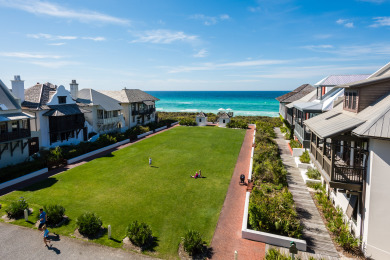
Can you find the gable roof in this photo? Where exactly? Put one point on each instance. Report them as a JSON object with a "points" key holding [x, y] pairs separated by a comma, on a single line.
{"points": [[201, 114], [129, 95], [364, 123], [36, 97], [93, 97], [385, 70], [7, 100], [296, 94], [224, 116], [334, 80], [308, 97]]}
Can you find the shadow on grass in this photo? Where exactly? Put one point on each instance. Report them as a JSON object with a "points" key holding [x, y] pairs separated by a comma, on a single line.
{"points": [[154, 166], [41, 185], [151, 246], [108, 155], [116, 240]]}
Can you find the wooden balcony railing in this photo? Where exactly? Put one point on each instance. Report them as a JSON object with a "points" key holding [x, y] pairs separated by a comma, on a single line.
{"points": [[348, 174], [22, 133]]}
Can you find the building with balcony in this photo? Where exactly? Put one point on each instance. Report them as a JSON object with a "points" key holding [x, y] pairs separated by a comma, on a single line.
{"points": [[326, 97], [58, 120], [104, 113], [138, 106], [296, 94], [350, 145], [16, 143]]}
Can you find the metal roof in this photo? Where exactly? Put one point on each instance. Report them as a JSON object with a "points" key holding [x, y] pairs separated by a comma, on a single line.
{"points": [[309, 97], [382, 71], [7, 100], [129, 95], [366, 82], [64, 110], [14, 116], [148, 103], [372, 121], [334, 80], [93, 97]]}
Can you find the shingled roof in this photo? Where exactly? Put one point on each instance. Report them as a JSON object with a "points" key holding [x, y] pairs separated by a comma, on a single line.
{"points": [[129, 95], [201, 114], [296, 94], [36, 97], [224, 116]]}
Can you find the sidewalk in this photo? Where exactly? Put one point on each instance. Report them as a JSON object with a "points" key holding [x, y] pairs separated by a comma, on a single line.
{"points": [[42, 177], [25, 243], [227, 236], [314, 230]]}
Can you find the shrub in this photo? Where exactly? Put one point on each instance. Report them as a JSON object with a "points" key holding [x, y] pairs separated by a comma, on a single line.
{"points": [[237, 124], [315, 186], [105, 140], [305, 158], [16, 208], [313, 174], [187, 122], [55, 213], [274, 254], [295, 144], [18, 170], [192, 242], [55, 155], [139, 233], [89, 224]]}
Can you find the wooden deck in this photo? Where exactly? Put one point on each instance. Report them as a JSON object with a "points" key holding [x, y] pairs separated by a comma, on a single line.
{"points": [[314, 231]]}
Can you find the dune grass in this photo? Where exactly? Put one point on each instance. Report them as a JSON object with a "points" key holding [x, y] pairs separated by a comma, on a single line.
{"points": [[121, 187]]}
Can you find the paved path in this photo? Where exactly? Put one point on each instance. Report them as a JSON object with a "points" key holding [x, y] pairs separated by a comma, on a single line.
{"points": [[25, 243], [227, 236], [314, 230], [42, 177]]}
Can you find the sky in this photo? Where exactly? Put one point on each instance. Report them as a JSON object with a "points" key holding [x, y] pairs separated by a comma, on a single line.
{"points": [[220, 45]]}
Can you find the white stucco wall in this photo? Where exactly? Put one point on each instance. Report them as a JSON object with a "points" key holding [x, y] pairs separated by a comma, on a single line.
{"points": [[201, 121], [376, 227], [221, 123], [61, 91], [17, 157]]}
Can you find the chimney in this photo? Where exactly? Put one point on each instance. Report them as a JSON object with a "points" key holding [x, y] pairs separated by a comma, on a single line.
{"points": [[18, 87], [74, 89]]}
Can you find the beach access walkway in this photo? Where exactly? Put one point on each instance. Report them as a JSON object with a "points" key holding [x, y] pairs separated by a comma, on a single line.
{"points": [[314, 230], [227, 236]]}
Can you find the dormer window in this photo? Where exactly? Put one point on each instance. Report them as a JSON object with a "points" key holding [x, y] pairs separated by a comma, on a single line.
{"points": [[62, 100], [351, 100]]}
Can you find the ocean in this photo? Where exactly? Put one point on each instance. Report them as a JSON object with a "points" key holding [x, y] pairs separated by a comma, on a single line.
{"points": [[243, 103]]}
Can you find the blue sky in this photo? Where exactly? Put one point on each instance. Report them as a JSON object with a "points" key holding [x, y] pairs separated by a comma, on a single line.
{"points": [[191, 44]]}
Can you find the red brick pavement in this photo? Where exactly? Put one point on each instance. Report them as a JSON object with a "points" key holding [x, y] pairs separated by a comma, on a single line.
{"points": [[227, 236]]}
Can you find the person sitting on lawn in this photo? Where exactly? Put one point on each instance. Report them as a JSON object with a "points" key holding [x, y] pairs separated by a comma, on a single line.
{"points": [[195, 176], [200, 174]]}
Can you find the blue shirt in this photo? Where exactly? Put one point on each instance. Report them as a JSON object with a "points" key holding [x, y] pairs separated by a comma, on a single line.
{"points": [[42, 216], [46, 234]]}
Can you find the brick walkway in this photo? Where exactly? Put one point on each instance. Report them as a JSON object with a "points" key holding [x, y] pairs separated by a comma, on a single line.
{"points": [[42, 177], [314, 231], [227, 236]]}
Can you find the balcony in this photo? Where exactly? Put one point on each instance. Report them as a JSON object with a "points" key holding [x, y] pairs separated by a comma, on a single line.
{"points": [[336, 172], [143, 111], [110, 121], [302, 135], [11, 136]]}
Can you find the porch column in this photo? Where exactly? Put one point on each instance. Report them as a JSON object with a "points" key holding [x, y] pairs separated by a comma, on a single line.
{"points": [[365, 155], [341, 148], [352, 155], [332, 165]]}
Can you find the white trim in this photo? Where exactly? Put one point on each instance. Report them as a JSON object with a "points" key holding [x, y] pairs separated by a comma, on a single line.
{"points": [[23, 178], [144, 134], [159, 129]]}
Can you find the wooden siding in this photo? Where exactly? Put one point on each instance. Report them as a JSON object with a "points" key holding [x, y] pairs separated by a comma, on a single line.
{"points": [[369, 94]]}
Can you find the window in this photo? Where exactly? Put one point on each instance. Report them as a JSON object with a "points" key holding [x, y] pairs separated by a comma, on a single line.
{"points": [[224, 121], [115, 113], [350, 100], [100, 114], [200, 120], [3, 128], [62, 100], [15, 126]]}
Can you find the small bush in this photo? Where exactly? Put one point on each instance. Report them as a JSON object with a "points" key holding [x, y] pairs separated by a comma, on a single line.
{"points": [[139, 233], [16, 208], [55, 155], [305, 158], [313, 174], [315, 186], [55, 213], [295, 144], [192, 242], [187, 122], [274, 254], [89, 224], [237, 124]]}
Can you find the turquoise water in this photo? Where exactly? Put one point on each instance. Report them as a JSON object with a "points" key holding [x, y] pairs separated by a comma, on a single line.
{"points": [[244, 103]]}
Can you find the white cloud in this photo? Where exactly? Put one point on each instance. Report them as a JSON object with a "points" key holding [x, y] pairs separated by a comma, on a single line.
{"points": [[381, 21], [55, 10], [29, 55], [53, 64], [210, 20], [57, 44], [96, 39], [254, 9], [51, 37], [354, 50], [318, 47], [345, 22], [163, 36], [202, 53]]}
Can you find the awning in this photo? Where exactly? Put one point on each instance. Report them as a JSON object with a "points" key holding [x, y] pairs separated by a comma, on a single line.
{"points": [[308, 107], [64, 110], [14, 116], [148, 103]]}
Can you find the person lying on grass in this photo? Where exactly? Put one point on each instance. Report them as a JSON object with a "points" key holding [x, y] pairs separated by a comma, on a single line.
{"points": [[195, 176]]}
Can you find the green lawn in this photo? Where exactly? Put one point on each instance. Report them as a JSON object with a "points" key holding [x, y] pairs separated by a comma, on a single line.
{"points": [[122, 187]]}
